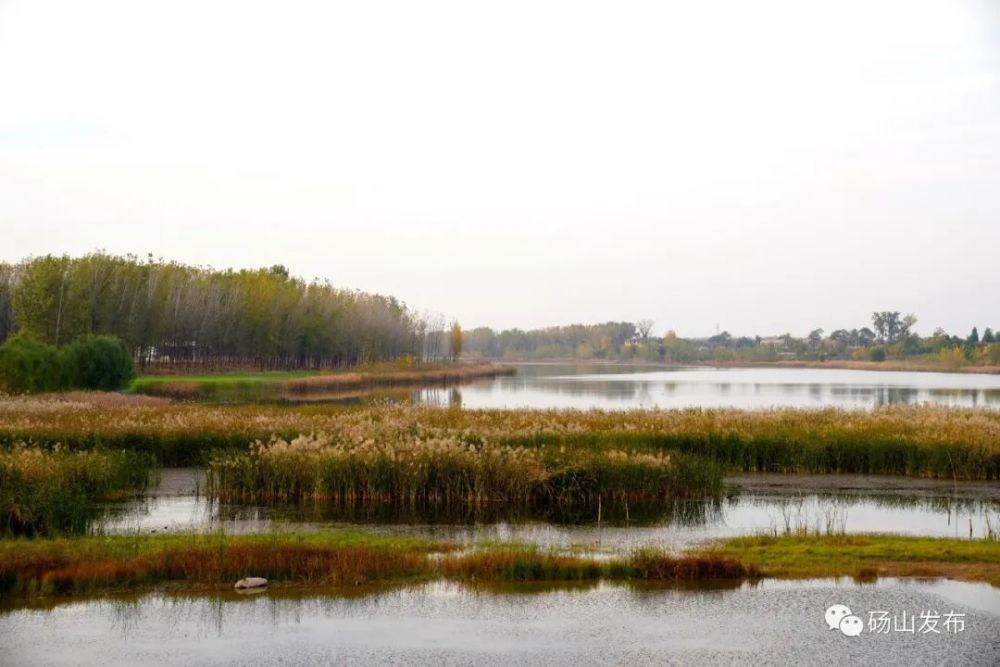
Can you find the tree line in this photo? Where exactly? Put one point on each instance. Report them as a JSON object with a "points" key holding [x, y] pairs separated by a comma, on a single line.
{"points": [[174, 314], [608, 340], [890, 336]]}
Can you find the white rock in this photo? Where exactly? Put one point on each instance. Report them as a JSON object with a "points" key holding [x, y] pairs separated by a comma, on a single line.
{"points": [[251, 582]]}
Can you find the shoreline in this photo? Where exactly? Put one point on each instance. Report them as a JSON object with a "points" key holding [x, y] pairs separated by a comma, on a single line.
{"points": [[839, 364], [259, 386], [62, 567]]}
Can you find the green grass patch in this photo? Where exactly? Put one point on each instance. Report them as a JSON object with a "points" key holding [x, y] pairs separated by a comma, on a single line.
{"points": [[278, 385], [263, 376], [867, 556]]}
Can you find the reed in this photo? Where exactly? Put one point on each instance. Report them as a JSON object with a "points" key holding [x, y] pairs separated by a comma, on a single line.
{"points": [[389, 466], [927, 441], [53, 491]]}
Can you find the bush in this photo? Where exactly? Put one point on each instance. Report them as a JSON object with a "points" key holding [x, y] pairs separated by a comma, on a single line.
{"points": [[97, 362], [28, 365], [877, 354], [90, 362]]}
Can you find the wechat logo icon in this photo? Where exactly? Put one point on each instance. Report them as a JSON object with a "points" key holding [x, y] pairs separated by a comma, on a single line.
{"points": [[839, 617]]}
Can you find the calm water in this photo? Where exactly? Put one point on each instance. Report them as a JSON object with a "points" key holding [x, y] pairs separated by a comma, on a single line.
{"points": [[755, 503], [612, 388], [767, 623]]}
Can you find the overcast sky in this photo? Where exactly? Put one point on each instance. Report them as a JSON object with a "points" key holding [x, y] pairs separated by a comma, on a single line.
{"points": [[764, 166]]}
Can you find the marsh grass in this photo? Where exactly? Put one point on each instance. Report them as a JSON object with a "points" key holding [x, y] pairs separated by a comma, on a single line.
{"points": [[65, 566], [526, 564], [53, 491], [75, 565], [60, 566], [404, 469], [926, 441]]}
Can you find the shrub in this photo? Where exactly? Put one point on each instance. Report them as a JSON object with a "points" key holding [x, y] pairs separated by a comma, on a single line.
{"points": [[89, 362], [877, 354], [97, 362], [28, 365]]}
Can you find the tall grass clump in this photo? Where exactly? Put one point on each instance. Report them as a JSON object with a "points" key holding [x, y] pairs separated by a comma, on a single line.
{"points": [[526, 564], [53, 491], [383, 465]]}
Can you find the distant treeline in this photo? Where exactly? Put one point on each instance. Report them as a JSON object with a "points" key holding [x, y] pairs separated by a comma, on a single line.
{"points": [[609, 340], [890, 337], [170, 313]]}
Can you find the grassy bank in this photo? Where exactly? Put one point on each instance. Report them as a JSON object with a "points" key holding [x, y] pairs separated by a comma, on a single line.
{"points": [[943, 442], [279, 385], [103, 564], [867, 556], [53, 491], [30, 568]]}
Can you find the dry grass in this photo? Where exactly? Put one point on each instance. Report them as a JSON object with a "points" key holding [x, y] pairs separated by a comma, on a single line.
{"points": [[387, 462], [52, 491], [928, 441], [99, 564]]}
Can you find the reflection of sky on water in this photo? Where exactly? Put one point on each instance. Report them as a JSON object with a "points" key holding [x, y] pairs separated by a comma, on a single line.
{"points": [[928, 508], [580, 387], [766, 622]]}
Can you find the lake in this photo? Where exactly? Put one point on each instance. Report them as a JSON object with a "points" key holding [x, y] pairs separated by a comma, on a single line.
{"points": [[617, 387]]}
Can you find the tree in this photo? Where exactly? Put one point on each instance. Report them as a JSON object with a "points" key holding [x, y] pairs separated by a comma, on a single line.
{"points": [[973, 338], [172, 313], [815, 338], [890, 327], [988, 336], [644, 327], [865, 337], [455, 341]]}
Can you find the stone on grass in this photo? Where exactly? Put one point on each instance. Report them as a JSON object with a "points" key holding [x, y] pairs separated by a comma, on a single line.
{"points": [[251, 582]]}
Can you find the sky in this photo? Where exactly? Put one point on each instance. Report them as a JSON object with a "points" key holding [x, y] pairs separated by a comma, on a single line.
{"points": [[763, 167]]}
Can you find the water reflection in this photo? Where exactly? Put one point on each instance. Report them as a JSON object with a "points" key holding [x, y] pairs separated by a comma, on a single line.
{"points": [[607, 387], [769, 622], [754, 503]]}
